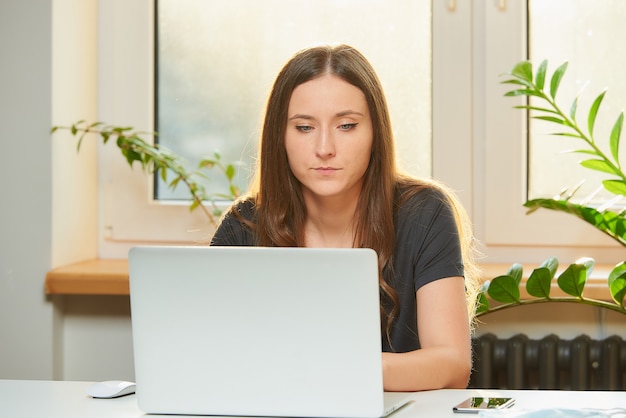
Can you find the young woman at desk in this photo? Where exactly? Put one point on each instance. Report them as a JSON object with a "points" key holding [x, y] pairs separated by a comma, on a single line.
{"points": [[326, 177]]}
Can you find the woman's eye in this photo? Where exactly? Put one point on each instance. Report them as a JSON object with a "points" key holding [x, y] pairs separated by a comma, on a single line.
{"points": [[304, 128], [347, 126]]}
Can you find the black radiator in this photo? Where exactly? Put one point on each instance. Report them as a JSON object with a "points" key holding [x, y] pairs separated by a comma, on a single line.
{"points": [[549, 363]]}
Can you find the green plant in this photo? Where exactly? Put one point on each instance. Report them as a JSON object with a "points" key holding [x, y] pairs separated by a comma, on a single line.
{"points": [[533, 85], [505, 289], [543, 106], [159, 160]]}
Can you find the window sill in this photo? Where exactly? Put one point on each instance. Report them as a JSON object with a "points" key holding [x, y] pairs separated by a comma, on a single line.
{"points": [[90, 277], [110, 277]]}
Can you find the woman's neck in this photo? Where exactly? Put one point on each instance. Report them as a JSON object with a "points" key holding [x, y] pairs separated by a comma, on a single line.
{"points": [[330, 223]]}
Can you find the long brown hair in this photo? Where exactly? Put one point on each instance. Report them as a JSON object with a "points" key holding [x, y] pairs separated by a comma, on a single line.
{"points": [[280, 209]]}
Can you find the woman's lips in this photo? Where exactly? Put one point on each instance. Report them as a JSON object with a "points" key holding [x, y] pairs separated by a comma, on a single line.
{"points": [[326, 170]]}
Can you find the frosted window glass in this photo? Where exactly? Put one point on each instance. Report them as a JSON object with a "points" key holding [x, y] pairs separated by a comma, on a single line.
{"points": [[589, 35], [217, 61]]}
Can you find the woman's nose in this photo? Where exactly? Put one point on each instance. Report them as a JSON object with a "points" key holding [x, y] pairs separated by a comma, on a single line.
{"points": [[325, 144]]}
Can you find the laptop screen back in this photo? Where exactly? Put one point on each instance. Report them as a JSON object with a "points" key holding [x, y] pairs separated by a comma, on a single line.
{"points": [[256, 331]]}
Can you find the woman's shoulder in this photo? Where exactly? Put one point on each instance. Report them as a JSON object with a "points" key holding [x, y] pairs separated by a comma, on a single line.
{"points": [[237, 224], [412, 192], [243, 209]]}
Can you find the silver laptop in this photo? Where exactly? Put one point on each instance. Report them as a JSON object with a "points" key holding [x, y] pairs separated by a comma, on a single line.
{"points": [[254, 331]]}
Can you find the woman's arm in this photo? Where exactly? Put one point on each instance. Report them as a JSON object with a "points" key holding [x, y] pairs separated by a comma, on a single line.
{"points": [[445, 359]]}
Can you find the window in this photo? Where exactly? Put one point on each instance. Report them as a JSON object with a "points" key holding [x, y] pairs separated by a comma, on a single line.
{"points": [[216, 66], [479, 142], [581, 38]]}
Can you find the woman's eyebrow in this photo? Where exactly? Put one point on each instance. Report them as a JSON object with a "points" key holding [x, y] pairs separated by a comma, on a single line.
{"points": [[301, 116], [349, 112], [338, 114]]}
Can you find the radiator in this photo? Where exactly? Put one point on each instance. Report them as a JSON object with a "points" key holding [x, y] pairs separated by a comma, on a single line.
{"points": [[549, 363]]}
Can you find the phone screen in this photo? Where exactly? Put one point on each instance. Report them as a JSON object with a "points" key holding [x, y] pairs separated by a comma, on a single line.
{"points": [[476, 404]]}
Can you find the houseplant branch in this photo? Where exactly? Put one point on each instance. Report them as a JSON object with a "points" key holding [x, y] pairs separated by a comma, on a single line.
{"points": [[159, 160], [505, 289], [533, 85]]}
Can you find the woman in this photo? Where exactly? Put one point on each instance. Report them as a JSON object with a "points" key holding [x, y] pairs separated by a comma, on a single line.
{"points": [[326, 177]]}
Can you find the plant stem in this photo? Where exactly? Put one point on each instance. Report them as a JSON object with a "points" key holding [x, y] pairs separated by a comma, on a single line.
{"points": [[590, 302]]}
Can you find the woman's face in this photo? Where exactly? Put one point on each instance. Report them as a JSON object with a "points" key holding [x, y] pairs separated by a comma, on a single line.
{"points": [[329, 137]]}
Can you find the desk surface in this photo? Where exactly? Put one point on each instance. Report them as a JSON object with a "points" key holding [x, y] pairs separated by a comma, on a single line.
{"points": [[52, 399]]}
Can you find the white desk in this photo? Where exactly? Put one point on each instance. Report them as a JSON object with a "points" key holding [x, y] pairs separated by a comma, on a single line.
{"points": [[48, 399]]}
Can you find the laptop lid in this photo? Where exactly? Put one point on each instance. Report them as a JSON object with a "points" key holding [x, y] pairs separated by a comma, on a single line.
{"points": [[256, 331]]}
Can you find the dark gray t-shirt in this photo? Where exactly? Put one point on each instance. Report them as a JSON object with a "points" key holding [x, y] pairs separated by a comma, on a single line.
{"points": [[427, 249]]}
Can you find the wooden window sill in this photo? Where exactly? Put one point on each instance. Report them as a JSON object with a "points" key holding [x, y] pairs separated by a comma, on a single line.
{"points": [[110, 277], [91, 277]]}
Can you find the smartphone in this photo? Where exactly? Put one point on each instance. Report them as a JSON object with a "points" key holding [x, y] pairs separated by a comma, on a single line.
{"points": [[476, 404]]}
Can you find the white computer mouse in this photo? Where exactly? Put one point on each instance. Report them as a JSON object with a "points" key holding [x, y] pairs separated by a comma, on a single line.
{"points": [[111, 389]]}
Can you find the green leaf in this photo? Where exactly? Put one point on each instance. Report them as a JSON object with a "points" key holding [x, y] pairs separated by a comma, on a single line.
{"points": [[617, 187], [615, 136], [206, 163], [538, 283], [519, 82], [553, 119], [482, 304], [524, 92], [593, 112], [556, 79], [516, 271], [572, 135], [122, 129], [611, 223], [552, 264], [584, 151], [523, 70], [572, 280], [174, 182], [599, 165], [573, 108], [588, 263], [617, 283], [504, 289], [230, 172], [541, 74], [538, 109]]}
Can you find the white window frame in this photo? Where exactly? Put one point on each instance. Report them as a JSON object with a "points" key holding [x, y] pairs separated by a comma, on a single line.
{"points": [[474, 128], [500, 131]]}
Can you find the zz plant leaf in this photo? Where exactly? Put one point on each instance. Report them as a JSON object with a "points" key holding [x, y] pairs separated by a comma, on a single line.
{"points": [[504, 289], [540, 280], [617, 283], [572, 280]]}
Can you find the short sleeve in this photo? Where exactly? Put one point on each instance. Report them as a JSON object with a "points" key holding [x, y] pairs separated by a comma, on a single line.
{"points": [[232, 230], [428, 239]]}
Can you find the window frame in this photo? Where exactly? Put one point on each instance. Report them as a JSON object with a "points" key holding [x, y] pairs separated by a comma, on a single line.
{"points": [[470, 116]]}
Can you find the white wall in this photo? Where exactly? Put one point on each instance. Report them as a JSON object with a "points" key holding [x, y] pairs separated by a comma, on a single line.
{"points": [[48, 203], [26, 318]]}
